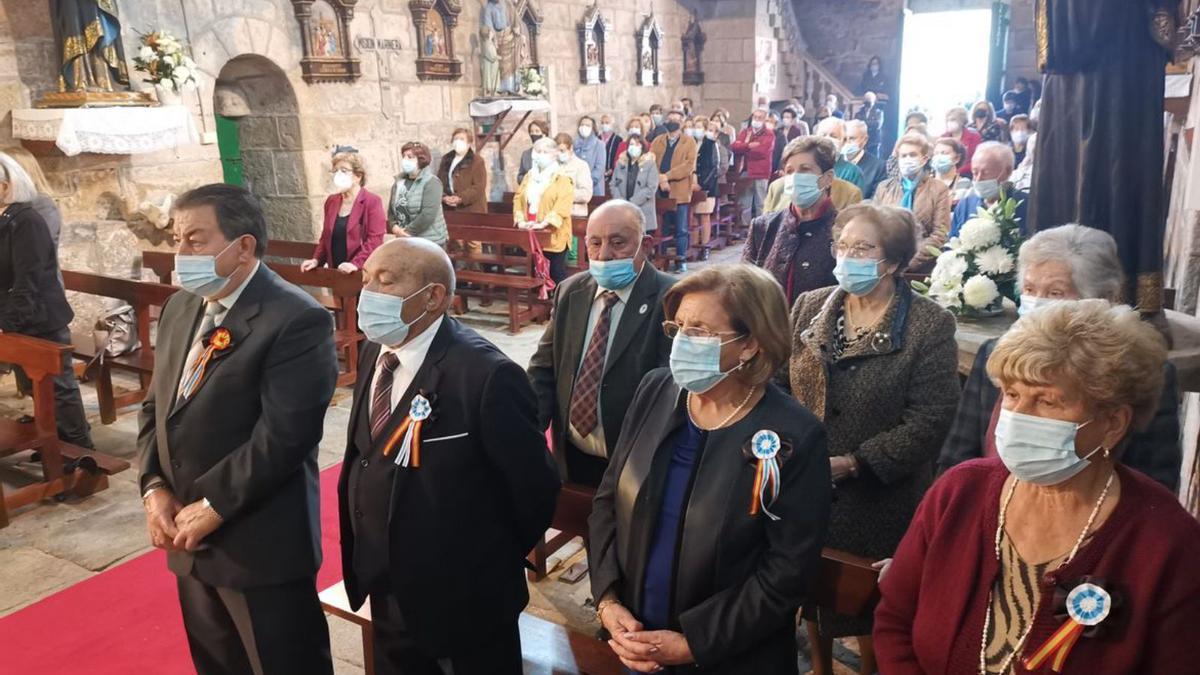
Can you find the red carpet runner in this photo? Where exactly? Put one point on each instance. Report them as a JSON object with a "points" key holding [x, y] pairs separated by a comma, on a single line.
{"points": [[126, 619]]}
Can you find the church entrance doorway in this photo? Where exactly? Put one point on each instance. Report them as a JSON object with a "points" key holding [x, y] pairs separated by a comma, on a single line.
{"points": [[944, 63]]}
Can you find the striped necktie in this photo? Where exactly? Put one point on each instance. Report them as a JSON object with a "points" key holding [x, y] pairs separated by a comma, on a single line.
{"points": [[585, 395], [381, 402]]}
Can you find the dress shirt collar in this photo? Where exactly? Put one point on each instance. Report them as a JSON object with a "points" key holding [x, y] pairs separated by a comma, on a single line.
{"points": [[230, 300], [412, 353]]}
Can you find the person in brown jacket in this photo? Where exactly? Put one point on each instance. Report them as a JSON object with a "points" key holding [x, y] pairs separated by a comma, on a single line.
{"points": [[464, 179], [676, 155], [917, 190]]}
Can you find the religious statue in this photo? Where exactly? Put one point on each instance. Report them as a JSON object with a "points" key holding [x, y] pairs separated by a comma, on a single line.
{"points": [[501, 17], [88, 35], [490, 61], [1103, 62]]}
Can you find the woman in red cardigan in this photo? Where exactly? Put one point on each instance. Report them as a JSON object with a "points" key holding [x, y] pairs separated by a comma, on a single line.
{"points": [[1054, 554], [355, 221]]}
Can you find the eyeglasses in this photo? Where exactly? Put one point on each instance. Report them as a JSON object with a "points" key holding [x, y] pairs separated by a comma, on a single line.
{"points": [[860, 250], [671, 329]]}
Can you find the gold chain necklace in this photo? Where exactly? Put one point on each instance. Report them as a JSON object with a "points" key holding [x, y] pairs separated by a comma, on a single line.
{"points": [[987, 621], [725, 421]]}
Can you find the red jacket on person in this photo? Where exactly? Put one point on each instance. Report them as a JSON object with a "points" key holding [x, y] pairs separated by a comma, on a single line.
{"points": [[364, 228], [970, 140], [935, 594], [757, 160]]}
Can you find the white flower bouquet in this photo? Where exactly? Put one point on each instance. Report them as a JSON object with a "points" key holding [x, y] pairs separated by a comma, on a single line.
{"points": [[978, 269], [161, 57], [532, 83]]}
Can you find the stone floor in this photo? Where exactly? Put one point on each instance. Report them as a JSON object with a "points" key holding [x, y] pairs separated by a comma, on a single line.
{"points": [[50, 546]]}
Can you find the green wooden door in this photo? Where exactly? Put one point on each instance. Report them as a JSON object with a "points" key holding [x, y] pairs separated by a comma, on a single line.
{"points": [[230, 149]]}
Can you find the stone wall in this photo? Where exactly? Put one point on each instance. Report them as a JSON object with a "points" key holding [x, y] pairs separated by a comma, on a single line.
{"points": [[845, 34]]}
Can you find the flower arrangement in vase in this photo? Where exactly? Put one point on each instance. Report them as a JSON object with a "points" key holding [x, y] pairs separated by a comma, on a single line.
{"points": [[161, 57], [533, 84], [978, 269]]}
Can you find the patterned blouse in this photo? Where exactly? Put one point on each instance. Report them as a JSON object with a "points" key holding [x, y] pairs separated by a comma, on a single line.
{"points": [[1014, 604]]}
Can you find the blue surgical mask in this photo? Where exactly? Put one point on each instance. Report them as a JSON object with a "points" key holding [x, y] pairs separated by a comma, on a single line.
{"points": [[408, 165], [379, 317], [805, 190], [1039, 450], [756, 125], [849, 150], [198, 273], [909, 167], [542, 161], [987, 189], [942, 163], [696, 362], [1032, 302], [613, 275], [857, 276]]}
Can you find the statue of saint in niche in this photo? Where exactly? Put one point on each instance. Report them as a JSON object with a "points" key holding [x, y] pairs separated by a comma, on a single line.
{"points": [[88, 35]]}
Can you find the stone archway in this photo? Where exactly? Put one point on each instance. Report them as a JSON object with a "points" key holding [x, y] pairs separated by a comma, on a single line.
{"points": [[258, 98]]}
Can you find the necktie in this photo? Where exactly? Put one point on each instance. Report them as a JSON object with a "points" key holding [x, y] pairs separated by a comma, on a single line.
{"points": [[381, 402], [211, 310], [587, 385]]}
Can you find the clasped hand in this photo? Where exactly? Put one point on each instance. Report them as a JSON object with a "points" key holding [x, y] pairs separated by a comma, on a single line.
{"points": [[536, 225], [641, 650], [175, 527]]}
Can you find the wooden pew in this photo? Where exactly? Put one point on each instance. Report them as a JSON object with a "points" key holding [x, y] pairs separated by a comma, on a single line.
{"points": [[144, 297], [65, 468], [570, 519], [546, 647], [342, 300], [519, 290]]}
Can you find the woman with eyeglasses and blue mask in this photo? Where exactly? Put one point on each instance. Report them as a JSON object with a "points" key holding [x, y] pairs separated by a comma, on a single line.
{"points": [[1069, 262], [878, 364], [793, 243], [1054, 556], [706, 532]]}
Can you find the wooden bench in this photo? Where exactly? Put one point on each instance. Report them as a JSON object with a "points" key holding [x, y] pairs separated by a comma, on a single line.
{"points": [[66, 468], [570, 519], [546, 647], [342, 300], [520, 290], [145, 297]]}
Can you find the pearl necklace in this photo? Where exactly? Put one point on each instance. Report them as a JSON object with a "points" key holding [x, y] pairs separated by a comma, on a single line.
{"points": [[725, 421], [987, 621]]}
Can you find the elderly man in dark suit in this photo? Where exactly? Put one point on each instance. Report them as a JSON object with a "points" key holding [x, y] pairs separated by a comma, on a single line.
{"points": [[606, 334], [447, 482], [244, 371]]}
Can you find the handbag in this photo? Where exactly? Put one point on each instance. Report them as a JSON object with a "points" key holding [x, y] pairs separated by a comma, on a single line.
{"points": [[540, 265], [115, 332]]}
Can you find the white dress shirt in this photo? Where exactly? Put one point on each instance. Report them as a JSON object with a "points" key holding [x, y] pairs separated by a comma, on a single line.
{"points": [[593, 443], [412, 354]]}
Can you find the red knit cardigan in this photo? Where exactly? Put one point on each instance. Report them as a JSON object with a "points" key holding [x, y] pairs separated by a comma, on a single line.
{"points": [[930, 619]]}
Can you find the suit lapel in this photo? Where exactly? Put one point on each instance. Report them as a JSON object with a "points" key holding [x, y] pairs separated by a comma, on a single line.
{"points": [[237, 322], [644, 291], [362, 395], [173, 349], [579, 309]]}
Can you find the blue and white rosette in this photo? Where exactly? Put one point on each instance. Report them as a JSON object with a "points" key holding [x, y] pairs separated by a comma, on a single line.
{"points": [[765, 446]]}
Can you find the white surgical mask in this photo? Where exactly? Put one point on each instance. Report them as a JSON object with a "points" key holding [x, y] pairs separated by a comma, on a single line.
{"points": [[1019, 137], [987, 189], [953, 126], [460, 146], [1039, 450], [342, 180], [635, 131], [756, 125], [564, 157], [1029, 303], [909, 167], [606, 127], [585, 131], [408, 165], [635, 151]]}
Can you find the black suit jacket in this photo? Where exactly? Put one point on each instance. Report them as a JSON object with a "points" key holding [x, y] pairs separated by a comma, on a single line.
{"points": [[638, 347], [247, 438], [739, 579], [874, 172], [32, 299], [460, 524]]}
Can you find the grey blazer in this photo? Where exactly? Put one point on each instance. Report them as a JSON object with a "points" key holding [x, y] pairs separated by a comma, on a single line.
{"points": [[644, 190], [638, 347], [247, 439]]}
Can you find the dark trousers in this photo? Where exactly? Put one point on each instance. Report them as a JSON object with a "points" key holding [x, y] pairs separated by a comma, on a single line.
{"points": [[494, 650], [72, 423], [583, 468], [682, 234], [558, 265], [255, 631]]}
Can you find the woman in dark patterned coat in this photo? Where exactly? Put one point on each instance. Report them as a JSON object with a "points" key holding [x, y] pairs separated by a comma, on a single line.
{"points": [[878, 364]]}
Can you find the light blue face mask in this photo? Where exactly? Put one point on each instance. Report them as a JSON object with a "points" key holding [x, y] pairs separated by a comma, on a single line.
{"points": [[1029, 303], [805, 191], [857, 276], [987, 189], [1039, 450], [942, 163], [379, 317], [696, 362], [849, 150], [613, 275], [198, 273]]}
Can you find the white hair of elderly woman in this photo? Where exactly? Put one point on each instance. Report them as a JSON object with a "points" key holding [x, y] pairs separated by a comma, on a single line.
{"points": [[1090, 253], [20, 185], [830, 125], [545, 144]]}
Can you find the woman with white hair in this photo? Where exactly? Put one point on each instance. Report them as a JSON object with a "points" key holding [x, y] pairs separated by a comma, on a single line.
{"points": [[32, 299], [1070, 262], [544, 199]]}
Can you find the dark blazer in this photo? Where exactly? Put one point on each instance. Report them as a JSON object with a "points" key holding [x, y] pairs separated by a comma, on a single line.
{"points": [[612, 152], [470, 181], [247, 438], [639, 345], [461, 524], [32, 299], [364, 228], [1155, 450], [739, 579], [874, 171]]}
